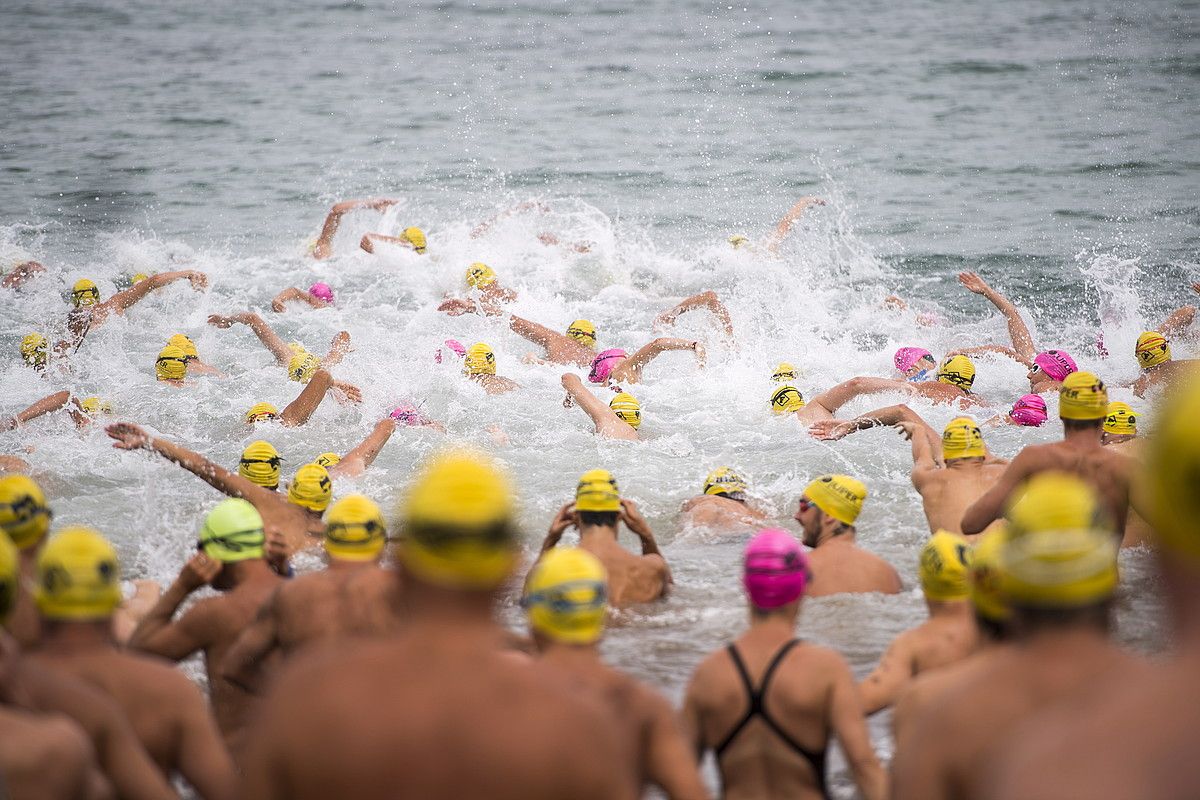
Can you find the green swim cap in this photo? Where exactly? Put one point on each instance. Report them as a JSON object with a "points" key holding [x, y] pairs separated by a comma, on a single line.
{"points": [[233, 531]]}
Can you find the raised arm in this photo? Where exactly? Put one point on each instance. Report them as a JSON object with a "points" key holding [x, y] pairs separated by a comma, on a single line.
{"points": [[656, 347], [339, 346], [784, 228], [848, 724], [1017, 330], [363, 455], [1180, 319], [277, 347], [605, 420], [298, 412], [158, 634], [324, 246], [707, 300], [988, 508], [538, 334], [243, 663], [121, 301], [44, 406], [21, 273]]}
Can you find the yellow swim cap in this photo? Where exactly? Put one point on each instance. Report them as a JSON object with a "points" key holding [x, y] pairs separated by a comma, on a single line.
{"points": [[1059, 569], [597, 491], [328, 460], [584, 332], [784, 372], [9, 561], [171, 364], [566, 596], [297, 348], [311, 488], [839, 496], [962, 438], [737, 240], [984, 573], [957, 371], [94, 405], [943, 566], [458, 527], [1121, 419], [185, 344], [354, 529], [1172, 464], [724, 481], [786, 399], [84, 293], [24, 515], [480, 360], [626, 406], [138, 278], [415, 237], [480, 275], [78, 577], [1152, 349], [260, 464], [34, 348], [261, 412], [1055, 501], [1082, 397], [302, 366], [233, 531]]}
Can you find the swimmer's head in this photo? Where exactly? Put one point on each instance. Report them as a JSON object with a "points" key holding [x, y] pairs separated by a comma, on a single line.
{"points": [[913, 360], [408, 414], [983, 584], [604, 363], [962, 438], [480, 275], [725, 482], [1056, 364], [10, 561], [458, 529], [261, 412], [1121, 420], [1083, 398], [302, 367], [584, 332], [738, 240], [311, 488], [774, 569], [597, 491], [355, 530], [626, 406], [1059, 569], [1055, 501], [786, 399], [1169, 481], [455, 346], [1030, 411], [328, 460], [260, 464], [839, 496], [84, 293], [93, 406], [1152, 349], [480, 360], [957, 371], [784, 373], [943, 566], [566, 596], [186, 345], [171, 364], [78, 577], [321, 291], [34, 349], [24, 515], [232, 531], [414, 237]]}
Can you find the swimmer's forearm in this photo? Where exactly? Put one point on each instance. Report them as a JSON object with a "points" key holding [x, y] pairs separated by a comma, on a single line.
{"points": [[538, 334], [44, 406], [364, 455], [266, 335], [218, 477], [300, 410], [158, 618]]}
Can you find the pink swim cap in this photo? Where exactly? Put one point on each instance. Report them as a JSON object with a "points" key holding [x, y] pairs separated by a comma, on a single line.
{"points": [[907, 357], [775, 569], [1058, 364], [322, 291], [603, 364], [1030, 410], [453, 344], [407, 414]]}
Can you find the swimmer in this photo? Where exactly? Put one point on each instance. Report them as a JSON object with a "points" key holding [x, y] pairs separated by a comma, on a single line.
{"points": [[411, 416], [90, 313], [231, 547], [15, 278], [1083, 406], [577, 347], [363, 454], [1153, 353], [25, 518], [319, 295], [440, 708], [171, 366], [768, 704], [295, 516], [1120, 428], [616, 366], [479, 365], [192, 355], [914, 364], [299, 411], [620, 419], [721, 504], [1059, 586], [707, 300], [46, 405], [946, 637], [597, 513], [950, 471], [78, 589], [782, 230], [323, 248], [565, 600], [354, 597], [1029, 411], [827, 512], [35, 351]]}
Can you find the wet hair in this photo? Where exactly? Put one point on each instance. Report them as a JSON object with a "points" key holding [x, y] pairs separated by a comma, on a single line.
{"points": [[1096, 615], [1082, 424], [605, 519]]}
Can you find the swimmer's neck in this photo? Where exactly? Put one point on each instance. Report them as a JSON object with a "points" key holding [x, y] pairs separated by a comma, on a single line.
{"points": [[598, 533], [829, 536], [570, 655], [778, 623], [436, 612], [1070, 640], [1088, 438], [947, 609], [65, 637], [964, 463]]}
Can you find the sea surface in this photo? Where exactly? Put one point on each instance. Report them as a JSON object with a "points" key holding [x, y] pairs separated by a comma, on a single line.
{"points": [[1053, 147]]}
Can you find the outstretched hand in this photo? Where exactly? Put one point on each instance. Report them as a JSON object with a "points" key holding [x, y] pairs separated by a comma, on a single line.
{"points": [[973, 282], [456, 306], [198, 280], [220, 320], [907, 428], [128, 436], [830, 429]]}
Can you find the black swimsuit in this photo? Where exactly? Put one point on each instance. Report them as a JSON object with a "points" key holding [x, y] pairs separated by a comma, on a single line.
{"points": [[816, 760]]}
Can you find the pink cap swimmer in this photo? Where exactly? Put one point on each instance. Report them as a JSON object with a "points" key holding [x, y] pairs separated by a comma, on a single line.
{"points": [[775, 569], [321, 291], [907, 357], [453, 344], [408, 414], [1058, 364], [1030, 411], [603, 365]]}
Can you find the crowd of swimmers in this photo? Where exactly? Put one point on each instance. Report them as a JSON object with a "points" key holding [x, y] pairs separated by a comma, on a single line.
{"points": [[385, 672]]}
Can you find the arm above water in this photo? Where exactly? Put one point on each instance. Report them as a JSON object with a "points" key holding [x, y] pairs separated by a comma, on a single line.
{"points": [[784, 228], [1017, 330], [275, 345], [605, 420], [987, 348], [298, 412], [122, 301], [294, 294], [21, 273], [363, 455], [707, 300], [832, 429], [158, 634], [324, 246], [631, 369], [44, 406], [1180, 319]]}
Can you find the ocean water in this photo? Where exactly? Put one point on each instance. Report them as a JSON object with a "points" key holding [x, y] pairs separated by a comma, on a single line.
{"points": [[1052, 147]]}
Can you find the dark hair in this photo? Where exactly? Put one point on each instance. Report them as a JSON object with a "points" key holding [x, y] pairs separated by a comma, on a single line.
{"points": [[1096, 615], [605, 519], [991, 629], [1082, 424]]}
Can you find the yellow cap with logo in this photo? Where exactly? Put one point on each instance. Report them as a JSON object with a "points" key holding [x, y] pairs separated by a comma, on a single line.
{"points": [[1172, 467], [584, 332], [962, 438], [171, 364], [597, 491], [185, 344], [302, 366], [943, 566], [1121, 419], [415, 237], [78, 577], [1152, 349], [984, 575], [34, 349], [260, 464], [1059, 569], [480, 360], [724, 481], [957, 371], [1083, 397], [354, 529], [311, 488], [786, 399], [24, 515], [328, 460], [784, 372], [94, 405], [480, 275], [839, 496], [84, 293], [233, 531], [566, 596], [626, 406], [261, 412], [1055, 501]]}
